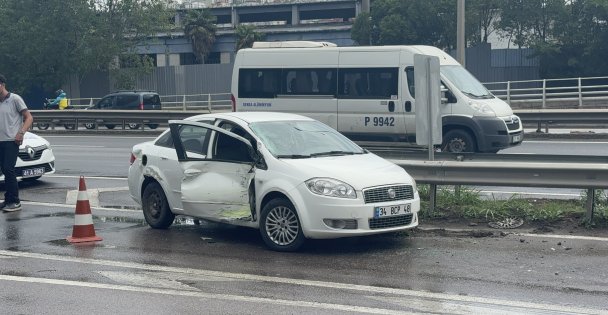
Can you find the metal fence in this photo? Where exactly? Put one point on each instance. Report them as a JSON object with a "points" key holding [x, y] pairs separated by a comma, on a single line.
{"points": [[583, 92], [590, 92], [210, 102], [517, 170]]}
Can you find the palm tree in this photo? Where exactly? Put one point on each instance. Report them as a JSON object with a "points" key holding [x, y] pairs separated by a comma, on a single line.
{"points": [[199, 28], [246, 36]]}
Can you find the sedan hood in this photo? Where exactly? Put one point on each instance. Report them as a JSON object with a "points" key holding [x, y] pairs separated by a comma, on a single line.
{"points": [[33, 140], [360, 170]]}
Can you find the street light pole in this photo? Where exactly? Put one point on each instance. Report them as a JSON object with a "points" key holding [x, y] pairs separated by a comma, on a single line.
{"points": [[460, 42]]}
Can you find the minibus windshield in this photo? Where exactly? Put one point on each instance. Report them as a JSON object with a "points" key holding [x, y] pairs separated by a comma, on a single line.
{"points": [[465, 82], [303, 139]]}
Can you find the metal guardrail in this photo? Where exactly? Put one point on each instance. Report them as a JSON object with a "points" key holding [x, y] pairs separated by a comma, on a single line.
{"points": [[582, 92], [586, 172], [584, 116], [521, 170], [565, 92], [122, 117], [207, 101]]}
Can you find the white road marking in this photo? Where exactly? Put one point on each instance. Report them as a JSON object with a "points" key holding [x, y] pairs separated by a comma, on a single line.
{"points": [[167, 280], [146, 279], [77, 146], [295, 282], [229, 297], [570, 237], [86, 177], [569, 142], [92, 194], [73, 206], [103, 136]]}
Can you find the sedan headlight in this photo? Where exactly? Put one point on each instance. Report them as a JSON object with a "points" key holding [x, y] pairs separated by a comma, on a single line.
{"points": [[331, 188]]}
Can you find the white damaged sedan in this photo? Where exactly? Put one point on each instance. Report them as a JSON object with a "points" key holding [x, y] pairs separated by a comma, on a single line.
{"points": [[35, 158], [290, 176]]}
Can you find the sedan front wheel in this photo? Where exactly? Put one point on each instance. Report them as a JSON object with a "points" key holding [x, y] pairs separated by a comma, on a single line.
{"points": [[280, 226]]}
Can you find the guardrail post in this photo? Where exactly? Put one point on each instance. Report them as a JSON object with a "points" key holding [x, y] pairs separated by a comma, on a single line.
{"points": [[580, 93], [91, 102], [209, 102], [184, 102], [432, 198], [544, 93], [509, 92], [590, 204]]}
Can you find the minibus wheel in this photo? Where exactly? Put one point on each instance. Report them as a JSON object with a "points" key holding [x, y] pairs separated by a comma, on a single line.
{"points": [[458, 140], [280, 226]]}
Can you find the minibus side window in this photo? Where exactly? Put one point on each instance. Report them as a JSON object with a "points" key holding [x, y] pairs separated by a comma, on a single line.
{"points": [[409, 76], [368, 83], [259, 83], [308, 82]]}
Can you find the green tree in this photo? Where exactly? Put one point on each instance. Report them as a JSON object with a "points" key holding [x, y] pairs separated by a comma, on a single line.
{"points": [[395, 22], [44, 42], [200, 28], [361, 31], [578, 41], [528, 22], [481, 19], [246, 35]]}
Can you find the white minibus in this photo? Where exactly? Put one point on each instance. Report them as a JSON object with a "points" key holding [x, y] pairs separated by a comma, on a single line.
{"points": [[367, 93]]}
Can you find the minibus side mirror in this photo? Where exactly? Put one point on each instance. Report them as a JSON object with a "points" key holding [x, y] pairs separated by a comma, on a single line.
{"points": [[447, 97]]}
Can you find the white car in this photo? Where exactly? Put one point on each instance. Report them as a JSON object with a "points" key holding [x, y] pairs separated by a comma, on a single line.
{"points": [[290, 176], [35, 158]]}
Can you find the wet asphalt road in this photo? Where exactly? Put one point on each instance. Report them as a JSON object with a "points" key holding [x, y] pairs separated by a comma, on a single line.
{"points": [[218, 269]]}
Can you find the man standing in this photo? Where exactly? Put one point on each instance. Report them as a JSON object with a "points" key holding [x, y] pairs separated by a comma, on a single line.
{"points": [[15, 120]]}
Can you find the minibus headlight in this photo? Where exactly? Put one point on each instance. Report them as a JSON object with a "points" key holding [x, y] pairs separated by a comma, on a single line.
{"points": [[483, 109], [331, 188]]}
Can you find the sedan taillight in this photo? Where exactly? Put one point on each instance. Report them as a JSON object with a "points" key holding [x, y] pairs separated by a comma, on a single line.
{"points": [[132, 159]]}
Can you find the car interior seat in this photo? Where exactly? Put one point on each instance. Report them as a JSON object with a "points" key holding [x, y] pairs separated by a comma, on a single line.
{"points": [[193, 145]]}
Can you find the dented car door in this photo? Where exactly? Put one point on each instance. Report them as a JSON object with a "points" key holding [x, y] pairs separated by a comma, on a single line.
{"points": [[217, 173]]}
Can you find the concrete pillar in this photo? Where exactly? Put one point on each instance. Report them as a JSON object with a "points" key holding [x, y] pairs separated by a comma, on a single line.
{"points": [[178, 19], [235, 18], [460, 42], [365, 6], [295, 15]]}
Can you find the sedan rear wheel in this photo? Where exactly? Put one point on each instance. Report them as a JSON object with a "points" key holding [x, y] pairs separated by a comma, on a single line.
{"points": [[133, 126], [281, 229], [156, 208]]}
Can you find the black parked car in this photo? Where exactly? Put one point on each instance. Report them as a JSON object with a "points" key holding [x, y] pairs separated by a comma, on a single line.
{"points": [[128, 100]]}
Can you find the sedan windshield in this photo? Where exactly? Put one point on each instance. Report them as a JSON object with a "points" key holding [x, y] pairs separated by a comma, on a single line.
{"points": [[465, 82], [303, 139]]}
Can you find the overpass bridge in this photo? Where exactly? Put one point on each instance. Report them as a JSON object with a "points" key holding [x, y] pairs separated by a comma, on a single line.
{"points": [[329, 20]]}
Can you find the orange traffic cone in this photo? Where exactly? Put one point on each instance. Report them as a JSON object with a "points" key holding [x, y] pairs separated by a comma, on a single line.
{"points": [[83, 219]]}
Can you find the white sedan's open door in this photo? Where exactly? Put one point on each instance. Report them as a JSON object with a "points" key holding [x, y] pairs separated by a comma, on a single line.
{"points": [[218, 171]]}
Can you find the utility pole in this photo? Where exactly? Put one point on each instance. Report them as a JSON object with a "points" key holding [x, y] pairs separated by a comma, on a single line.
{"points": [[365, 6], [460, 42]]}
